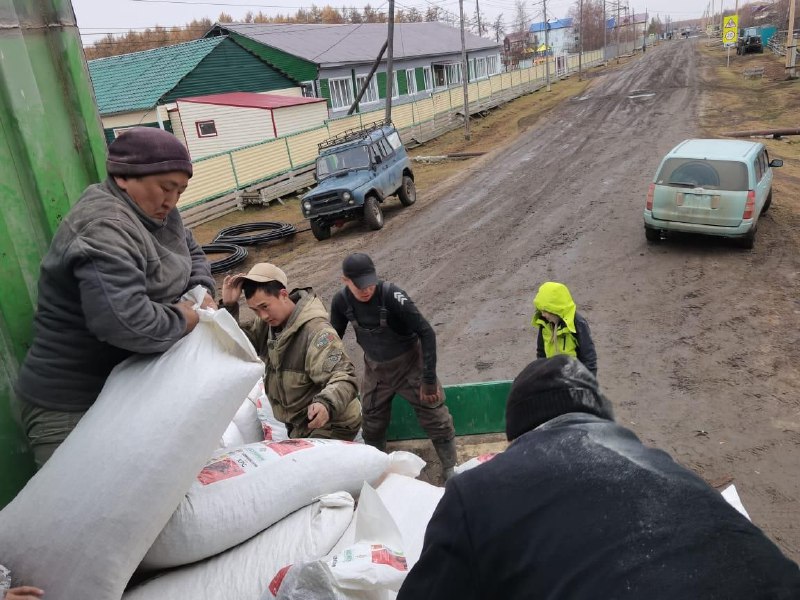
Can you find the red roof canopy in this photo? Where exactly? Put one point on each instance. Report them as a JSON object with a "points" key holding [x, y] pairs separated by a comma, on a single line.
{"points": [[252, 100]]}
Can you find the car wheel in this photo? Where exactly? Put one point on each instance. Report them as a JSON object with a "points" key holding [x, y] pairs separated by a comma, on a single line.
{"points": [[320, 231], [407, 192], [749, 240], [373, 215], [652, 235], [768, 203]]}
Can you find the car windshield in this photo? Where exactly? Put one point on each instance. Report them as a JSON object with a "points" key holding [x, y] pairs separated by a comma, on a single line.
{"points": [[712, 174], [355, 157]]}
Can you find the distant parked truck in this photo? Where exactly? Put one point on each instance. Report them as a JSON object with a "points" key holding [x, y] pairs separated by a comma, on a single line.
{"points": [[750, 43]]}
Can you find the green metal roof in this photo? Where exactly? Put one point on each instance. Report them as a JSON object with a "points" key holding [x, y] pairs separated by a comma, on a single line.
{"points": [[138, 80]]}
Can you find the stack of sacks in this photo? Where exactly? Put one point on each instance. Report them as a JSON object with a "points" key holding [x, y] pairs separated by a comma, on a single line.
{"points": [[243, 572], [242, 491], [376, 552], [86, 519]]}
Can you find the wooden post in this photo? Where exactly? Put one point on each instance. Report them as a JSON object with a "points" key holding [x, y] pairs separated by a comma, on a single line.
{"points": [[390, 63], [464, 71], [791, 44]]}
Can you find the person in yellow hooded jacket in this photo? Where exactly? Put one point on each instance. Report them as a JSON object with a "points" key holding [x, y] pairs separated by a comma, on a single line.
{"points": [[562, 330]]}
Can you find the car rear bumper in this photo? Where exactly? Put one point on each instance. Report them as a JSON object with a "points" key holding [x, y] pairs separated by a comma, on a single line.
{"points": [[739, 231]]}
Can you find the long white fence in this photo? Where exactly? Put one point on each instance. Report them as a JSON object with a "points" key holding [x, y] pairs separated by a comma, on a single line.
{"points": [[221, 174]]}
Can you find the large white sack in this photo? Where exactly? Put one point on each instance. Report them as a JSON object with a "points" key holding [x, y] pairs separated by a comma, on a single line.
{"points": [[83, 523], [409, 505], [245, 428], [245, 490], [273, 430], [243, 572]]}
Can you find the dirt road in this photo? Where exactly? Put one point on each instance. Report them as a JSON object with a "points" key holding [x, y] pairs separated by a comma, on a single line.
{"points": [[697, 339]]}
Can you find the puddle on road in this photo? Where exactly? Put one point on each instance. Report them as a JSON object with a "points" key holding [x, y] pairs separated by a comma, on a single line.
{"points": [[636, 94]]}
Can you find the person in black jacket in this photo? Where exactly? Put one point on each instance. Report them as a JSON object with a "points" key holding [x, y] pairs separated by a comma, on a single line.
{"points": [[562, 330], [399, 356], [578, 508]]}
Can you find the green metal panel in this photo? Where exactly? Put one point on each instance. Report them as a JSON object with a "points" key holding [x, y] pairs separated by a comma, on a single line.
{"points": [[420, 73], [402, 83], [291, 66], [325, 90], [476, 408], [381, 78], [229, 68], [51, 148]]}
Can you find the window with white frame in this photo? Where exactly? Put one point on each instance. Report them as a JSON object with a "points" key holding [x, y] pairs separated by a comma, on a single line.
{"points": [[118, 131], [411, 80], [492, 64], [371, 93], [480, 68], [453, 73], [395, 87], [308, 89], [428, 77], [341, 91], [471, 67]]}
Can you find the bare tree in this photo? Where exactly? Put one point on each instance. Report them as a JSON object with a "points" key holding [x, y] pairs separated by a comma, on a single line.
{"points": [[498, 28], [521, 19], [591, 28]]}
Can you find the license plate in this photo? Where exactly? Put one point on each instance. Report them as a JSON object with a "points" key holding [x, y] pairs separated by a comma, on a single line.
{"points": [[708, 201]]}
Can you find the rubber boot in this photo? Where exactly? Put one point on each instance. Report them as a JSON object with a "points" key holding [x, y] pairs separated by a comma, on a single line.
{"points": [[446, 451], [379, 444]]}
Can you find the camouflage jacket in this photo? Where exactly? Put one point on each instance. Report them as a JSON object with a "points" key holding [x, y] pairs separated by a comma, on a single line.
{"points": [[305, 362]]}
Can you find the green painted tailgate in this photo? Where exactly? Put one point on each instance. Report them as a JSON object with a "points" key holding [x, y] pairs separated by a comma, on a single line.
{"points": [[476, 408]]}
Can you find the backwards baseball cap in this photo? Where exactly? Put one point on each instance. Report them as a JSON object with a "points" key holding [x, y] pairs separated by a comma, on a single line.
{"points": [[359, 269], [263, 273], [142, 151], [551, 387]]}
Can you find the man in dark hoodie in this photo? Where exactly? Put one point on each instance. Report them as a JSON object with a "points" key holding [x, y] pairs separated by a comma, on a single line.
{"points": [[577, 507], [110, 285]]}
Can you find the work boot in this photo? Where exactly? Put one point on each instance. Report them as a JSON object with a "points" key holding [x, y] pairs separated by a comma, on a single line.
{"points": [[446, 451], [380, 444]]}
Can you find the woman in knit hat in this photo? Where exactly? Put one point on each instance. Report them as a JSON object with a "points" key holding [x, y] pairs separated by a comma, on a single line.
{"points": [[561, 329], [110, 285]]}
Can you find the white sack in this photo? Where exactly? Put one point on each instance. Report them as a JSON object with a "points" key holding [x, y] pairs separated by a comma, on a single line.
{"points": [[273, 430], [474, 462], [245, 490], [410, 503], [85, 520], [243, 572], [245, 427], [732, 497]]}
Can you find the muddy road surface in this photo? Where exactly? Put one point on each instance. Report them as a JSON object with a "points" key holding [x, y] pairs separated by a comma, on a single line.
{"points": [[697, 339]]}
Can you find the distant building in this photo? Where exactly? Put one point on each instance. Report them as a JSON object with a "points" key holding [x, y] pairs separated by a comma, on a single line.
{"points": [[560, 35], [517, 47], [332, 61]]}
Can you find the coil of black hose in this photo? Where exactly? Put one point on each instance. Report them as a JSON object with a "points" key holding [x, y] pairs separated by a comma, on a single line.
{"points": [[269, 232], [236, 254]]}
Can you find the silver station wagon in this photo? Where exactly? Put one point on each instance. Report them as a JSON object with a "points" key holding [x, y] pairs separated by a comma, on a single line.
{"points": [[712, 187]]}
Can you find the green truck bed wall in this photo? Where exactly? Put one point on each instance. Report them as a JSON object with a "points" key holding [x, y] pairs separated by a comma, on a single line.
{"points": [[51, 148], [476, 408]]}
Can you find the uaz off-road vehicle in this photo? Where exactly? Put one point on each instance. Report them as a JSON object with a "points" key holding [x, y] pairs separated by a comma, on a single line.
{"points": [[356, 171]]}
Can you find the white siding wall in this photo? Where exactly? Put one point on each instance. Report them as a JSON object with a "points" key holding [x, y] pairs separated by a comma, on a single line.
{"points": [[236, 127], [177, 128], [293, 91], [299, 118]]}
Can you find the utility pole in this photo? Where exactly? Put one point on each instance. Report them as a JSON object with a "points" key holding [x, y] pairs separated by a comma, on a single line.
{"points": [[605, 30], [791, 43], [390, 62], [546, 46], [464, 70], [580, 44], [478, 12], [617, 28]]}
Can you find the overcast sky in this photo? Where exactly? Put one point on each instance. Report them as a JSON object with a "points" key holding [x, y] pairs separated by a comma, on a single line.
{"points": [[97, 17]]}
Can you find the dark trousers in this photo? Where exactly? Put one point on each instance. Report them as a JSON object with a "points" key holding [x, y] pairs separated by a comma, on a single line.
{"points": [[402, 376]]}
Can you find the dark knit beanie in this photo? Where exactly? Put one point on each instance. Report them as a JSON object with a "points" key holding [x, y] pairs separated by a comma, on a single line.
{"points": [[548, 388], [147, 151]]}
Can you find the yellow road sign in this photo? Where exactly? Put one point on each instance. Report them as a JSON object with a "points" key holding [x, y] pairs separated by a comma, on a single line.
{"points": [[730, 30]]}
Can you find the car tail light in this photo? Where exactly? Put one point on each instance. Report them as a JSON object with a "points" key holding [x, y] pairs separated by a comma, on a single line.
{"points": [[750, 205], [651, 190]]}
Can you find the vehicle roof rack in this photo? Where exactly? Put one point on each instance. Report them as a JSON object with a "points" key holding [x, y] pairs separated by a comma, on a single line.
{"points": [[355, 133]]}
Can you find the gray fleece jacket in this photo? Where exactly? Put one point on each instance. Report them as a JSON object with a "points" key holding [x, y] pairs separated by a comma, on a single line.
{"points": [[105, 289]]}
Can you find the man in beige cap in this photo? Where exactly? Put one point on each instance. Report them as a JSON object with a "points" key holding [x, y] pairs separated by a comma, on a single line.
{"points": [[310, 381]]}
